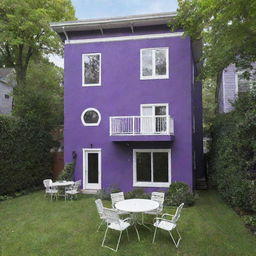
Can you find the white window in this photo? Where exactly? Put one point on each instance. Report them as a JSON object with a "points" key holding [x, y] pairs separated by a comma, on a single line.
{"points": [[151, 167], [154, 63], [91, 117], [91, 64]]}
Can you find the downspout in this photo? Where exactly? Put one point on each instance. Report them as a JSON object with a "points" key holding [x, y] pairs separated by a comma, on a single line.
{"points": [[65, 33]]}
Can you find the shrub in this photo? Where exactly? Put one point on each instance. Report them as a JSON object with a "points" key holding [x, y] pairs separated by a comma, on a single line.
{"points": [[68, 172], [249, 220], [232, 156], [178, 193], [136, 193], [104, 194], [25, 155]]}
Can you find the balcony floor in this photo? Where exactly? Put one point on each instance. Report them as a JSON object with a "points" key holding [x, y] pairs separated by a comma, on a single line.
{"points": [[142, 138]]}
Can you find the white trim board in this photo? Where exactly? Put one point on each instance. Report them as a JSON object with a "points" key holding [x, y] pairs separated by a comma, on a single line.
{"points": [[124, 38]]}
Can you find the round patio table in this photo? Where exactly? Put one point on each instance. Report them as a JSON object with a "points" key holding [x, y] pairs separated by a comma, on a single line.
{"points": [[135, 206], [63, 183]]}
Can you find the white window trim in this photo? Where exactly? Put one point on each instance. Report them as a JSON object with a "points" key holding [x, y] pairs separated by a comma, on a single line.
{"points": [[155, 105], [154, 76], [90, 124], [151, 184], [85, 182], [83, 82]]}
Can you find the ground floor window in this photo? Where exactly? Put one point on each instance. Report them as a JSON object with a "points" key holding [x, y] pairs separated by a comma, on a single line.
{"points": [[151, 167]]}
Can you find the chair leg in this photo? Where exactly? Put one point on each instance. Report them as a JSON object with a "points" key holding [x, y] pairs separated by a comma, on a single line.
{"points": [[100, 225], [127, 234], [105, 234], [119, 240], [154, 237], [176, 243]]}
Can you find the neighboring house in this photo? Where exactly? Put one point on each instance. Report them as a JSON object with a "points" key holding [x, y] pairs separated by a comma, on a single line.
{"points": [[7, 82], [232, 83], [132, 107]]}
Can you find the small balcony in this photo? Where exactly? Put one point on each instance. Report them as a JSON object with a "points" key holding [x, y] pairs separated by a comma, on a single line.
{"points": [[137, 126]]}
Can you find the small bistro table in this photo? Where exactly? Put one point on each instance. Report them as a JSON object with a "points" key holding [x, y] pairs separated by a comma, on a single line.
{"points": [[136, 206], [63, 183]]}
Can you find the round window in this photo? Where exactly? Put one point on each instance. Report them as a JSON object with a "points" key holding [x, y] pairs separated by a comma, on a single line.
{"points": [[90, 117]]}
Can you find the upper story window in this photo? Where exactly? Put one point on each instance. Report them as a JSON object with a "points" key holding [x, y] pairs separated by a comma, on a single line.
{"points": [[91, 117], [91, 69], [154, 63], [6, 96]]}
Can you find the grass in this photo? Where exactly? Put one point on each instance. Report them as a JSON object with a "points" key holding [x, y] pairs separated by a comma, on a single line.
{"points": [[32, 225]]}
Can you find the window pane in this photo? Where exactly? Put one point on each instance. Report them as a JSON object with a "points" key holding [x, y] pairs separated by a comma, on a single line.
{"points": [[160, 58], [147, 62], [160, 110], [93, 168], [91, 117], [160, 164], [143, 166], [91, 69]]}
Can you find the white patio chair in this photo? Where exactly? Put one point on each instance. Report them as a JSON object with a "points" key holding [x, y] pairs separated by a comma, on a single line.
{"points": [[49, 189], [159, 198], [115, 223], [117, 197], [169, 224], [72, 190], [100, 210]]}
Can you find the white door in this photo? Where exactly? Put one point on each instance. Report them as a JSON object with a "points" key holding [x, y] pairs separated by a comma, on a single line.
{"points": [[91, 168], [147, 120], [154, 119]]}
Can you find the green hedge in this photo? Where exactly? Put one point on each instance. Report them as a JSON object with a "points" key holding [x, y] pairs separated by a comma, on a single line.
{"points": [[25, 158], [233, 154]]}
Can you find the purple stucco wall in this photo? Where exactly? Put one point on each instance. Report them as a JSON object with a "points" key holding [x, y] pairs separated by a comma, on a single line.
{"points": [[121, 94]]}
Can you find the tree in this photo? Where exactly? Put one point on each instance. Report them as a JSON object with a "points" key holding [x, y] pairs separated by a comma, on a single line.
{"points": [[227, 28], [40, 100], [25, 31]]}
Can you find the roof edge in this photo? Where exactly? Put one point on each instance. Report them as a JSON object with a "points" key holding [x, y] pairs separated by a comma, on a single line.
{"points": [[145, 19]]}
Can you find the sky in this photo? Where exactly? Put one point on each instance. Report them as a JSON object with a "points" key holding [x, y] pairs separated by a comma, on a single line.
{"points": [[88, 9]]}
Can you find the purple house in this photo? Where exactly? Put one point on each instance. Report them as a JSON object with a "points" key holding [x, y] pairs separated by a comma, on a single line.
{"points": [[133, 109]]}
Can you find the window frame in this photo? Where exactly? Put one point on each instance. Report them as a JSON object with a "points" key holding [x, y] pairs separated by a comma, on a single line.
{"points": [[151, 184], [154, 76], [83, 57], [90, 124]]}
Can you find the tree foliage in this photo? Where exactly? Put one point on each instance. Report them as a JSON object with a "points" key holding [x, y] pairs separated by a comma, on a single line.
{"points": [[227, 28], [25, 31], [41, 98]]}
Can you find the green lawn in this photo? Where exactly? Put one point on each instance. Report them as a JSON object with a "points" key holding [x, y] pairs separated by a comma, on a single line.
{"points": [[33, 225]]}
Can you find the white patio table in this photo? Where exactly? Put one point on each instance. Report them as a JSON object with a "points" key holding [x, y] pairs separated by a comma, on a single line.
{"points": [[62, 183], [136, 206]]}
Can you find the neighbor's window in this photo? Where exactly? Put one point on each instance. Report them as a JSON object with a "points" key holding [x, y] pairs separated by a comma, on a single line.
{"points": [[154, 63], [92, 69], [91, 117], [151, 167], [244, 84]]}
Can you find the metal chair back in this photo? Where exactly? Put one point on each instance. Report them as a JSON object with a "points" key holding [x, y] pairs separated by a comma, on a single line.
{"points": [[116, 197], [177, 213]]}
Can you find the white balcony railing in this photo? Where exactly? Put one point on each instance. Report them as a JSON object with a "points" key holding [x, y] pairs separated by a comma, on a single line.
{"points": [[141, 125]]}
